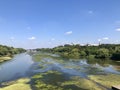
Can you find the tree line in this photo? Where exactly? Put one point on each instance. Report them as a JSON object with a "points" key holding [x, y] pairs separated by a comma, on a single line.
{"points": [[103, 51], [9, 51]]}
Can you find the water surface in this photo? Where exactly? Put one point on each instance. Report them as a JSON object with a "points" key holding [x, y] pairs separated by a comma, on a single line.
{"points": [[23, 65], [17, 67]]}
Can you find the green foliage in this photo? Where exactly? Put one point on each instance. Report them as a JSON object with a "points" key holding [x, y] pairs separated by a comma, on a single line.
{"points": [[6, 51], [82, 53], [102, 51]]}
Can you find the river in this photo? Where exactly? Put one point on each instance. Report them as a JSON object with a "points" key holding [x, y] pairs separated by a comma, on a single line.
{"points": [[15, 68], [22, 65]]}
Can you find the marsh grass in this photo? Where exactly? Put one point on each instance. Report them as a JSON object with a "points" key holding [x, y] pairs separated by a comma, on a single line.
{"points": [[106, 80], [21, 84]]}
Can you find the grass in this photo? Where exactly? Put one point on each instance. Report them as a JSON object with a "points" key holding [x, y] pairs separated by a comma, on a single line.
{"points": [[21, 84], [2, 59], [106, 80]]}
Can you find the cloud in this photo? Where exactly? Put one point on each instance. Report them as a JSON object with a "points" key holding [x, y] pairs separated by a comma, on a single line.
{"points": [[99, 40], [118, 29], [53, 39], [69, 32], [90, 12], [32, 38], [105, 38]]}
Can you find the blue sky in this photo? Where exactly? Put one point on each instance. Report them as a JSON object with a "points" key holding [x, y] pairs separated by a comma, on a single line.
{"points": [[48, 23]]}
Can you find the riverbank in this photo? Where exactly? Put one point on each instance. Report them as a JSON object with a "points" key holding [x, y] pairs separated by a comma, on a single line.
{"points": [[5, 58], [21, 84], [7, 52]]}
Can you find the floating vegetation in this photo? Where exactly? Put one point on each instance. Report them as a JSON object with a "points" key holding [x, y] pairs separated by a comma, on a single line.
{"points": [[106, 80], [50, 80], [54, 80], [81, 84], [56, 73], [21, 84]]}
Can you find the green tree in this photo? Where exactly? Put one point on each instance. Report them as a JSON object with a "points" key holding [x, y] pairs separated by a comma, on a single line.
{"points": [[74, 53], [102, 53]]}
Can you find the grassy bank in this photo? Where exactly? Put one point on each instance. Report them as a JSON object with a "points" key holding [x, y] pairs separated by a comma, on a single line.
{"points": [[21, 84], [106, 80], [2, 59]]}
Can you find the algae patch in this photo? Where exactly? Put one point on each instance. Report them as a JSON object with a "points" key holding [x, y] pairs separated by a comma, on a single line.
{"points": [[54, 80], [21, 84], [106, 80]]}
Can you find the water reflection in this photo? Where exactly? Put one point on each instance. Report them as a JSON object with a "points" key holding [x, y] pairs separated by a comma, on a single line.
{"points": [[15, 68]]}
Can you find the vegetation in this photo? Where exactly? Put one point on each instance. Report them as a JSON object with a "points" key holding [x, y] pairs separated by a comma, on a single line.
{"points": [[21, 84], [103, 51], [57, 80], [7, 52], [2, 59], [106, 80], [54, 80]]}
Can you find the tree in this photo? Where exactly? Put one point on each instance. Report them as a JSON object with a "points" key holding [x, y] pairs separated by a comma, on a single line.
{"points": [[82, 53], [74, 53], [102, 53]]}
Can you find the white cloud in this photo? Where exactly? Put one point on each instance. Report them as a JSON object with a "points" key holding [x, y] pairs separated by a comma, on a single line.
{"points": [[53, 39], [105, 38], [90, 12], [99, 40], [118, 29], [69, 32], [32, 38]]}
